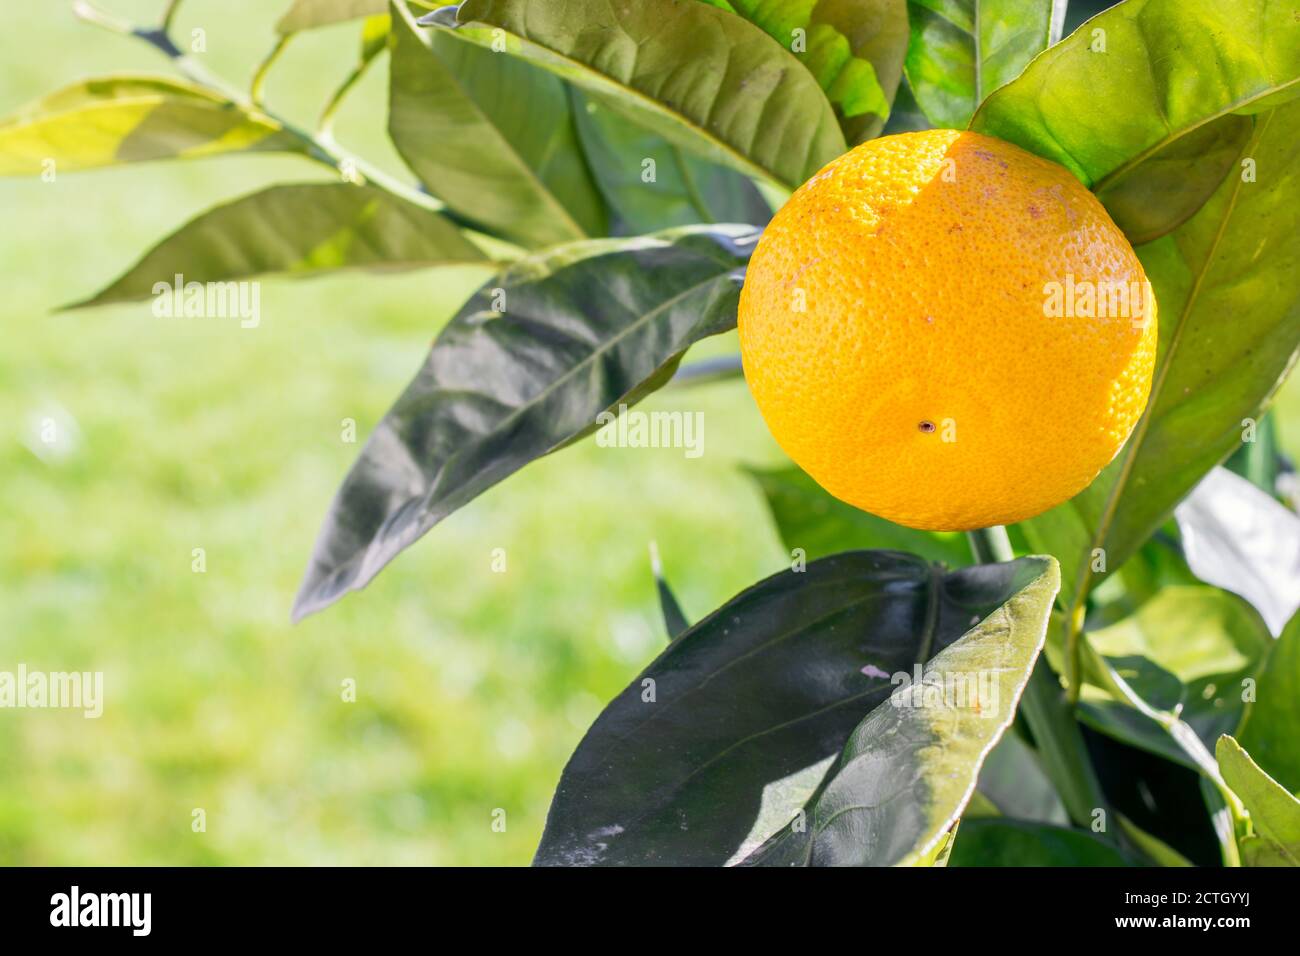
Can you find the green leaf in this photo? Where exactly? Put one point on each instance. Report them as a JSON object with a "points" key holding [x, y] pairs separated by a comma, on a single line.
{"points": [[492, 136], [1260, 461], [756, 697], [1146, 103], [703, 78], [809, 518], [1188, 650], [677, 190], [1240, 538], [675, 621], [525, 368], [130, 119], [907, 771], [309, 14], [1269, 728], [1274, 838], [1014, 781], [298, 230], [1160, 852], [999, 842], [963, 50], [1233, 258], [854, 49]]}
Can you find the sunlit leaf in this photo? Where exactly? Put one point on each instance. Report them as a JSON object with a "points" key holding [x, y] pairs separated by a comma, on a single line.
{"points": [[733, 722], [854, 48], [297, 230], [909, 768], [1240, 538], [963, 50], [1274, 839], [129, 119], [1269, 728], [1147, 102], [703, 78], [490, 135], [1235, 258]]}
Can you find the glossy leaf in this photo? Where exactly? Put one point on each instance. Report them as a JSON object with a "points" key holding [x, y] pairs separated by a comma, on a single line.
{"points": [[129, 119], [1239, 538], [523, 369], [490, 135], [1268, 730], [854, 48], [1234, 258], [705, 79], [1139, 102], [907, 771], [998, 842], [299, 230], [651, 183], [1188, 651], [1274, 839], [811, 519], [962, 50], [309, 14], [676, 768]]}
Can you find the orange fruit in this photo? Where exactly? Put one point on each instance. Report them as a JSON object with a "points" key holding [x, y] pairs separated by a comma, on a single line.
{"points": [[947, 331]]}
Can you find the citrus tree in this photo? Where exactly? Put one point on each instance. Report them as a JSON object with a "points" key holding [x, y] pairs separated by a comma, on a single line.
{"points": [[1021, 588]]}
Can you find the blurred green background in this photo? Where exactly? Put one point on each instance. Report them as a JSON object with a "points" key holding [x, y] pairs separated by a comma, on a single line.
{"points": [[473, 686]]}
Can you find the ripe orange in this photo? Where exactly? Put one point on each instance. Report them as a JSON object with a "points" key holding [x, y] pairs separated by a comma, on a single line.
{"points": [[947, 331]]}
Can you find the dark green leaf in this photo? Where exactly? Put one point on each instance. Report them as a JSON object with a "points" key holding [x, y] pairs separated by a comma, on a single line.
{"points": [[1138, 102], [809, 518], [909, 768], [1015, 783], [674, 619], [705, 79], [1274, 839], [651, 183], [1187, 650], [1235, 258], [130, 119], [523, 369], [854, 48], [1240, 538], [298, 230], [1269, 729], [963, 50], [770, 684], [490, 135], [998, 842]]}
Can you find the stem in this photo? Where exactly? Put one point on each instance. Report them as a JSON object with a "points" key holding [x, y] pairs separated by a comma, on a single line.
{"points": [[321, 149], [1056, 734], [1074, 652], [259, 75], [169, 14]]}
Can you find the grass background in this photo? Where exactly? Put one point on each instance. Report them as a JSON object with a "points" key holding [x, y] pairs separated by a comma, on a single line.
{"points": [[473, 687]]}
